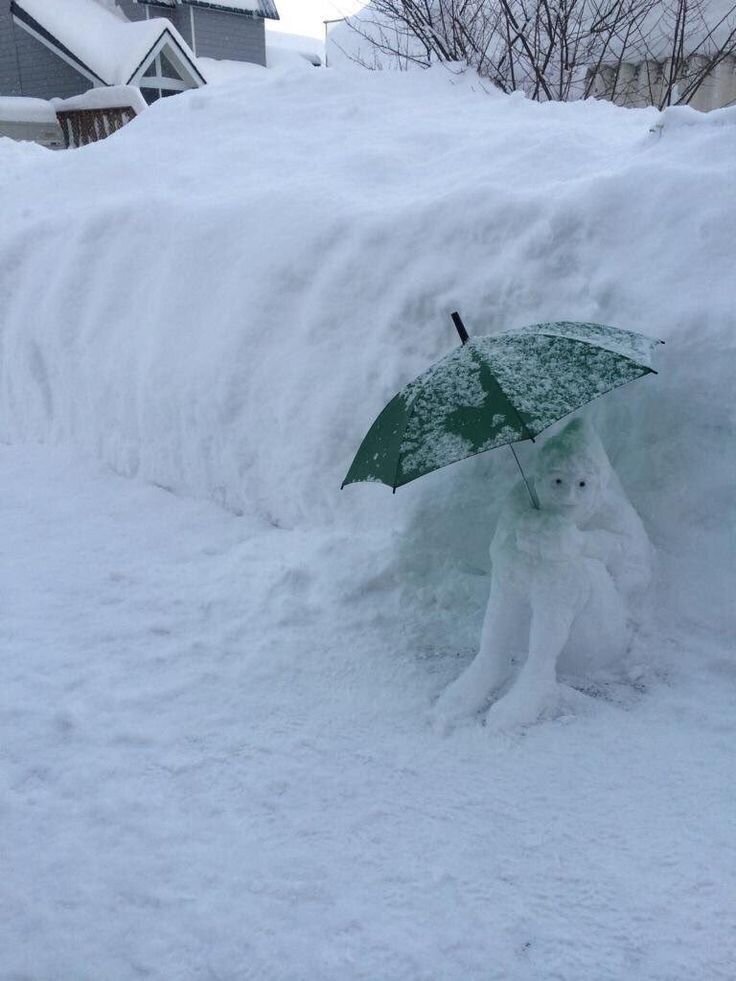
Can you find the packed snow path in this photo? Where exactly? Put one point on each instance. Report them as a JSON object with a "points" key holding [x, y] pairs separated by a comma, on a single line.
{"points": [[209, 773]]}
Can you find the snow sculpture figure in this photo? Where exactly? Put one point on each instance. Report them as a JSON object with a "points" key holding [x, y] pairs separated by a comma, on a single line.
{"points": [[563, 579]]}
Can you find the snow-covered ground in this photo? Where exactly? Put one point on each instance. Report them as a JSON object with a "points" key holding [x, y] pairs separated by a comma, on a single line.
{"points": [[217, 761], [210, 771]]}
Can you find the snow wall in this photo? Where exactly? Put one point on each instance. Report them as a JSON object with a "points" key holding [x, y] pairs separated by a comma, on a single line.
{"points": [[221, 297]]}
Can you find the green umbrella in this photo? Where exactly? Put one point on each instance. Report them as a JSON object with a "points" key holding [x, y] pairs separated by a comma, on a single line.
{"points": [[493, 391]]}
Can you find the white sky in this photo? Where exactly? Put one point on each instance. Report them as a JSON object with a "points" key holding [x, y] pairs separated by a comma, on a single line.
{"points": [[306, 16]]}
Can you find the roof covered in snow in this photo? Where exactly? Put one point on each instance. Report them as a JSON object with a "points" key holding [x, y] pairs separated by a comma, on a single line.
{"points": [[14, 109], [97, 36], [256, 8], [106, 97]]}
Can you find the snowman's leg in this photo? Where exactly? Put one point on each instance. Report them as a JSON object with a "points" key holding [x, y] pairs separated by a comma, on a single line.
{"points": [[600, 635], [504, 619], [557, 597]]}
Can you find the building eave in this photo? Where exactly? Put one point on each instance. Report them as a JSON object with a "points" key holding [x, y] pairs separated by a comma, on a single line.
{"points": [[261, 9]]}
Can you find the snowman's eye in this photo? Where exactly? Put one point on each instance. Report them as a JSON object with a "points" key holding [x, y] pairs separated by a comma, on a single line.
{"points": [[558, 480], [581, 484]]}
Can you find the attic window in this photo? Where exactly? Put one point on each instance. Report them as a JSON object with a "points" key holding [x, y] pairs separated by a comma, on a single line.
{"points": [[167, 69], [167, 72], [161, 74]]}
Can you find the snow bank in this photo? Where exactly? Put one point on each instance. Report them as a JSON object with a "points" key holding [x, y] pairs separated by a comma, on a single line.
{"points": [[16, 158], [221, 297]]}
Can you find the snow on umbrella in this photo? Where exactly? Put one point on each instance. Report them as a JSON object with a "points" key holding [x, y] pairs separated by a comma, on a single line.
{"points": [[493, 391]]}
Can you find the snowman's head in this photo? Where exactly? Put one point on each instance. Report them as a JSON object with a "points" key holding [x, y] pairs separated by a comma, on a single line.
{"points": [[572, 472]]}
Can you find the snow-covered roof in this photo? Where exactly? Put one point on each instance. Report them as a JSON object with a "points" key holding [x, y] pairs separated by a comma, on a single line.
{"points": [[96, 35], [106, 97], [14, 109], [283, 48], [256, 8]]}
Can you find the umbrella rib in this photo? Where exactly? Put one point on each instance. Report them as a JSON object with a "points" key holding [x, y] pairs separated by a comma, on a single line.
{"points": [[601, 347], [525, 428], [409, 411], [646, 369]]}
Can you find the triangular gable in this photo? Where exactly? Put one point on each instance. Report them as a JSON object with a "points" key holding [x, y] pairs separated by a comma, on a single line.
{"points": [[166, 66], [100, 42]]}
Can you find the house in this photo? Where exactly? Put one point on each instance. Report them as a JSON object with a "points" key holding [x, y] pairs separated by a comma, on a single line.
{"points": [[232, 30], [704, 82], [62, 48], [676, 53]]}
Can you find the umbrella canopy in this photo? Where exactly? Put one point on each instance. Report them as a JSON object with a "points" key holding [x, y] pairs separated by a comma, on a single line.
{"points": [[493, 391]]}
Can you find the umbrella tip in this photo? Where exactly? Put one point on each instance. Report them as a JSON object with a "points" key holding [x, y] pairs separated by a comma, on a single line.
{"points": [[460, 326]]}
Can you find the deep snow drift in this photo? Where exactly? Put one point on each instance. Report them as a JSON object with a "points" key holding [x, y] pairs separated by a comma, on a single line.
{"points": [[221, 299], [218, 300]]}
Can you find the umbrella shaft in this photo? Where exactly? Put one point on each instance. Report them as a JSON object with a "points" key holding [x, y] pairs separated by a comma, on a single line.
{"points": [[532, 495]]}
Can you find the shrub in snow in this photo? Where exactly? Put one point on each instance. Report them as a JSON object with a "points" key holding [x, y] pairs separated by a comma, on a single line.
{"points": [[563, 579], [634, 52]]}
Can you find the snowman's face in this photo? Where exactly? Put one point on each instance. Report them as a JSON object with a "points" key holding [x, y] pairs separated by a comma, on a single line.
{"points": [[570, 487]]}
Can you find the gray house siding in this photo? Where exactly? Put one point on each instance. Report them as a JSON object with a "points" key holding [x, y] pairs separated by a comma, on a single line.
{"points": [[182, 22], [132, 10], [179, 16], [9, 79], [43, 75], [219, 34]]}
